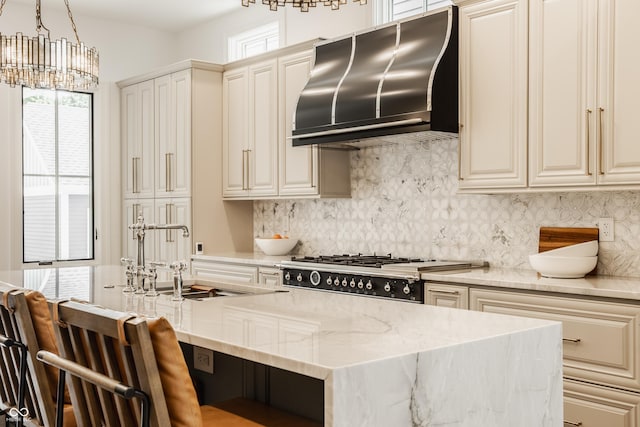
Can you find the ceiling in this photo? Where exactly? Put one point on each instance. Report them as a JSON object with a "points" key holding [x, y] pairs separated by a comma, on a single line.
{"points": [[168, 15]]}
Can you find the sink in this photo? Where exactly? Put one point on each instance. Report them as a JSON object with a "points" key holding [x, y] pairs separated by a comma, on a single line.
{"points": [[201, 294]]}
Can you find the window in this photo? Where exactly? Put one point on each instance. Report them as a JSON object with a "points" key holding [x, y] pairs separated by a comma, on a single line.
{"points": [[392, 10], [57, 169], [61, 283], [254, 42]]}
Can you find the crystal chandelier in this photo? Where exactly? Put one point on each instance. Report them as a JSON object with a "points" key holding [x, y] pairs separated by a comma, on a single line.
{"points": [[304, 5], [39, 62]]}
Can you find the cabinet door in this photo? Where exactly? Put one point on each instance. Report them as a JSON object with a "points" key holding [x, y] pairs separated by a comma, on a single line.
{"points": [[132, 208], [235, 133], [172, 245], [447, 295], [137, 105], [173, 134], [298, 165], [619, 92], [562, 92], [493, 94], [262, 159]]}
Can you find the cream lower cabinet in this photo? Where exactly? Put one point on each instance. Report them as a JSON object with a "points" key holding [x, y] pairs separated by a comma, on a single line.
{"points": [[601, 360], [589, 405], [225, 272], [443, 295], [270, 277], [133, 208], [493, 94]]}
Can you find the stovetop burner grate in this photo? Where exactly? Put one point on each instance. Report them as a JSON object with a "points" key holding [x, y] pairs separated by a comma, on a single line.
{"points": [[358, 260]]}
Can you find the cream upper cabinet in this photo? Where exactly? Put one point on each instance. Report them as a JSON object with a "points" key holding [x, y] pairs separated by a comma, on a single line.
{"points": [[259, 161], [562, 95], [250, 131], [493, 94], [584, 92], [297, 164], [137, 111], [618, 127], [173, 135], [235, 132]]}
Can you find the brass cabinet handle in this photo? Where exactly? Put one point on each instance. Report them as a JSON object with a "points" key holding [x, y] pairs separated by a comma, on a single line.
{"points": [[134, 167], [573, 340], [444, 291], [588, 140], [168, 175], [578, 424], [460, 178], [244, 173], [248, 169], [600, 142]]}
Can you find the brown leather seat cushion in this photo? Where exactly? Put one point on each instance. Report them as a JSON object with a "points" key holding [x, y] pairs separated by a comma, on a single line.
{"points": [[43, 327], [182, 401]]}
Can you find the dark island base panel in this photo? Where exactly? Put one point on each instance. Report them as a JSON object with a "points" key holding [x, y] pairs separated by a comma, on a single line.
{"points": [[235, 377]]}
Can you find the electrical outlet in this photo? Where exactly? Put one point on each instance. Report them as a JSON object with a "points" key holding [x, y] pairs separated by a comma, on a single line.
{"points": [[203, 359], [606, 229]]}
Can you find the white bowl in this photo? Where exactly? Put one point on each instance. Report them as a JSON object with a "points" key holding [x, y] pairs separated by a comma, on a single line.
{"points": [[276, 246], [580, 249], [564, 267]]}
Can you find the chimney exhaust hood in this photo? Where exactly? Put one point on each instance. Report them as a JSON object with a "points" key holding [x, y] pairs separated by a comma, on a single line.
{"points": [[399, 78]]}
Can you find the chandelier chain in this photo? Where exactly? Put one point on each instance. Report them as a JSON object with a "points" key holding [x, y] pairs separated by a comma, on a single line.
{"points": [[39, 24], [2, 6], [73, 23]]}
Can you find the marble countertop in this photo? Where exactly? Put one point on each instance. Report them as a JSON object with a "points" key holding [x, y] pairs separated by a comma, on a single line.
{"points": [[598, 286]]}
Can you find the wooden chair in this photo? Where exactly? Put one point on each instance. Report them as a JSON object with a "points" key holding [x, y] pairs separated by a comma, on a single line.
{"points": [[25, 319], [113, 359]]}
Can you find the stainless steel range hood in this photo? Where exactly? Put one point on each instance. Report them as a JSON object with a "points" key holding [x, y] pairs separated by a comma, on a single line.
{"points": [[394, 79]]}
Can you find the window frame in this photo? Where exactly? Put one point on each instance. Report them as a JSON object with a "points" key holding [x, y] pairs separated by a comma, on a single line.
{"points": [[92, 185], [237, 43]]}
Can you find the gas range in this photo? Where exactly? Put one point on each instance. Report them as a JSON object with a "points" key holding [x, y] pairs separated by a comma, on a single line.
{"points": [[381, 276]]}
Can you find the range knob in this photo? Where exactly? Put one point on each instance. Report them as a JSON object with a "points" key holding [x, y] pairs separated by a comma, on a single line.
{"points": [[314, 277], [299, 277], [352, 283], [336, 282], [287, 276], [344, 282], [360, 284], [369, 285], [329, 281], [387, 287], [406, 290]]}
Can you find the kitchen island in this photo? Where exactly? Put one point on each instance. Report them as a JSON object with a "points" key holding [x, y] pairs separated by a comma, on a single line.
{"points": [[382, 363]]}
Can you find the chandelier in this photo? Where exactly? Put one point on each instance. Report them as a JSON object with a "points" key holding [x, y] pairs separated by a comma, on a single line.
{"points": [[39, 62], [304, 5]]}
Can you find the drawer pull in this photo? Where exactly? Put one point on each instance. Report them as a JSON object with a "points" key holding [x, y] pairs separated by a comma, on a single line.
{"points": [[574, 340], [569, 423], [443, 291]]}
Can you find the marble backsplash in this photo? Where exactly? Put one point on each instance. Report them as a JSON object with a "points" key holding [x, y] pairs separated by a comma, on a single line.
{"points": [[405, 202]]}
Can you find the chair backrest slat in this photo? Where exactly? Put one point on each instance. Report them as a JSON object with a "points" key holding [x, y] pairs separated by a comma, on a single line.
{"points": [[93, 337], [16, 323]]}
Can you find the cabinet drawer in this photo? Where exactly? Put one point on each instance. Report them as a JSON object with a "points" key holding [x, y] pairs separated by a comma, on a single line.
{"points": [[229, 273], [443, 295], [589, 405], [600, 338]]}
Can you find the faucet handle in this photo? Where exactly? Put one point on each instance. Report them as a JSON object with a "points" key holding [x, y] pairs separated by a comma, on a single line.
{"points": [[126, 261], [157, 264], [178, 266]]}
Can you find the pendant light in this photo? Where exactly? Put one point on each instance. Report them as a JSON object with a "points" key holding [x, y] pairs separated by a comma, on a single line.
{"points": [[39, 62], [304, 5]]}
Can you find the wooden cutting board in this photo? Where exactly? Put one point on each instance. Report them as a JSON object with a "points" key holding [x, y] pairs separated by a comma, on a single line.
{"points": [[558, 237]]}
